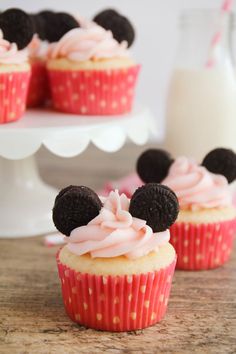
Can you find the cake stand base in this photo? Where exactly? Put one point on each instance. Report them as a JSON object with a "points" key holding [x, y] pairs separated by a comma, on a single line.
{"points": [[25, 200]]}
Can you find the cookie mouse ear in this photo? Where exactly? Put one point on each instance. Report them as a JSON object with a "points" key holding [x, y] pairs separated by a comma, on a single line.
{"points": [[75, 206], [38, 25], [153, 165], [155, 203], [221, 161], [57, 24], [119, 25], [17, 27]]}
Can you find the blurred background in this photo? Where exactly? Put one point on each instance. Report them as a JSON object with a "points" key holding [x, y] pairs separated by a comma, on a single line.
{"points": [[157, 35]]}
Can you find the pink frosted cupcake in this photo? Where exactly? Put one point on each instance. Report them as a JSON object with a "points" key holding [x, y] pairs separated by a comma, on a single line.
{"points": [[49, 27], [204, 231], [16, 32], [116, 269], [91, 72], [38, 92]]}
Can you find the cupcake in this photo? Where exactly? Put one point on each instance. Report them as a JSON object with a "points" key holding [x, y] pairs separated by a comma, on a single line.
{"points": [[90, 68], [45, 23], [117, 265], [16, 31], [38, 91], [204, 231]]}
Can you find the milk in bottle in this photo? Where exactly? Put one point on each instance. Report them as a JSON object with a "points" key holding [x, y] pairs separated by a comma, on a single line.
{"points": [[201, 103]]}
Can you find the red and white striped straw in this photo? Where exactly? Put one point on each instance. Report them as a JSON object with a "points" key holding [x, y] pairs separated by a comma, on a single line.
{"points": [[226, 8], [227, 5]]}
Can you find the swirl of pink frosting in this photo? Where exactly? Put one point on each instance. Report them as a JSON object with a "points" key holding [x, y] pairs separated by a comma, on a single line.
{"points": [[9, 54], [114, 232], [90, 42], [196, 187]]}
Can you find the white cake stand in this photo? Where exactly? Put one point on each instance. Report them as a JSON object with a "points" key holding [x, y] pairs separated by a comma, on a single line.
{"points": [[25, 200]]}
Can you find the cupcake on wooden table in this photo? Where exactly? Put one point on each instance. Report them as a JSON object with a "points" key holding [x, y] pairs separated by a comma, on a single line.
{"points": [[90, 68], [116, 269], [204, 232], [45, 23], [16, 31]]}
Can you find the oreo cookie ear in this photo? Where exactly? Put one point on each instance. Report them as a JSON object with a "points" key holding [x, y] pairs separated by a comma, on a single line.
{"points": [[153, 165], [57, 24], [155, 203], [39, 25], [221, 161], [119, 25], [75, 206], [17, 27]]}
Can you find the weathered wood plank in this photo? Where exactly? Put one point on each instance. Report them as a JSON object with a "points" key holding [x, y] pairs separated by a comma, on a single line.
{"points": [[202, 311]]}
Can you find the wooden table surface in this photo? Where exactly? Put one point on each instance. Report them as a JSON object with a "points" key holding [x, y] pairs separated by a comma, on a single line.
{"points": [[201, 316]]}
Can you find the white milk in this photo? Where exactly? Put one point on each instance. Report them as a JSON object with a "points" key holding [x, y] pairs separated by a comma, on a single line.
{"points": [[201, 111]]}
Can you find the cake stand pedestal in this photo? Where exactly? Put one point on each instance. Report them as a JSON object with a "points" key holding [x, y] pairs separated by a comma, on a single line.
{"points": [[25, 200]]}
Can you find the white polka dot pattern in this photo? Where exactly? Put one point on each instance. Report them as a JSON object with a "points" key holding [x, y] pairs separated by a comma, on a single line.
{"points": [[94, 93], [13, 92], [116, 303], [202, 246]]}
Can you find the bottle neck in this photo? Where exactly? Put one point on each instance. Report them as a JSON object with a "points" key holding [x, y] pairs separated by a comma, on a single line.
{"points": [[199, 28]]}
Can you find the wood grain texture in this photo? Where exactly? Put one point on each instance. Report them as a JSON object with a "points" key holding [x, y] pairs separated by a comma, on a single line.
{"points": [[201, 316]]}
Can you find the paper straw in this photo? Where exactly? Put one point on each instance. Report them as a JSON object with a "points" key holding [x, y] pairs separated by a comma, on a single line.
{"points": [[217, 37]]}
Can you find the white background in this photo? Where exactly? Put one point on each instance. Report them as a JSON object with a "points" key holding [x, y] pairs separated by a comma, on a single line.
{"points": [[157, 36]]}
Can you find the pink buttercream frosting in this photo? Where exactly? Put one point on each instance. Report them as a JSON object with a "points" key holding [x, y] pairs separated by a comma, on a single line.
{"points": [[37, 48], [114, 232], [196, 187], [90, 42], [9, 54]]}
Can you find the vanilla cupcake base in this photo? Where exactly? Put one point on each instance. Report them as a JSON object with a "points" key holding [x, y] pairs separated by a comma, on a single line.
{"points": [[11, 68], [207, 215], [115, 301], [98, 64], [118, 265]]}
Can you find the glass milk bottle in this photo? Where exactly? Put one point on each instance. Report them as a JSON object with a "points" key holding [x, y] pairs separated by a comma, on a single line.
{"points": [[201, 103]]}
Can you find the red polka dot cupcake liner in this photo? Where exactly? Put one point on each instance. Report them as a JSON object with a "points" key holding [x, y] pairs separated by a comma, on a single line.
{"points": [[94, 92], [13, 93], [116, 303], [39, 90], [202, 246]]}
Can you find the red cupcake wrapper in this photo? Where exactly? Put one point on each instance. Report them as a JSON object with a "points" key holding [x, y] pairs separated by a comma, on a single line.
{"points": [[202, 246], [38, 91], [13, 92], [94, 92], [116, 303]]}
